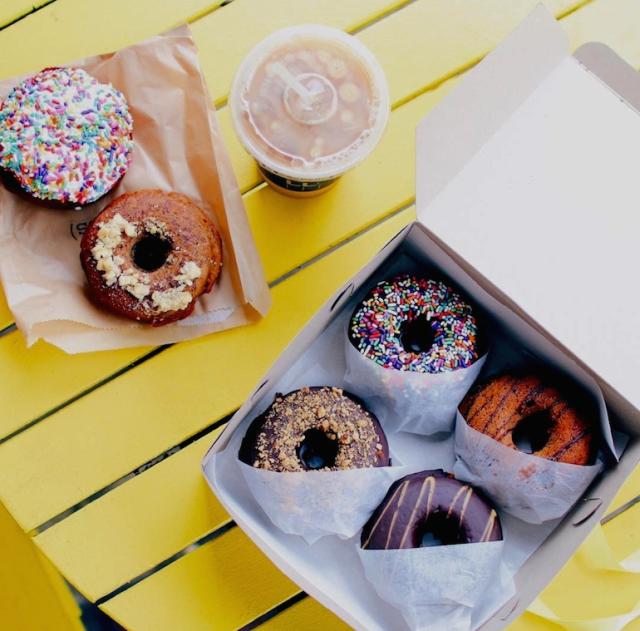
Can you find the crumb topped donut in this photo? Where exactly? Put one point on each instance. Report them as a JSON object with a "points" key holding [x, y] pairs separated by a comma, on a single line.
{"points": [[427, 509], [315, 428], [149, 254], [65, 138], [414, 324], [528, 413]]}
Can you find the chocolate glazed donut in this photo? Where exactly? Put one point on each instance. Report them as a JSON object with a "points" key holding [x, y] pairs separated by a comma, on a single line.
{"points": [[430, 508], [315, 428], [527, 413]]}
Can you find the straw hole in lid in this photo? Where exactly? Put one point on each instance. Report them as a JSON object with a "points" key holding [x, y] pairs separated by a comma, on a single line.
{"points": [[509, 608], [258, 389], [343, 296], [587, 510]]}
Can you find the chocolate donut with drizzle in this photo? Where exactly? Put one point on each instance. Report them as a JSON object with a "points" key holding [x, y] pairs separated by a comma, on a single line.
{"points": [[427, 509]]}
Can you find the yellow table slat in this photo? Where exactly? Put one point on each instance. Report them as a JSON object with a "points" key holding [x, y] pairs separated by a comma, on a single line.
{"points": [[37, 379], [309, 615], [114, 429], [112, 540], [224, 39], [77, 28], [11, 10], [613, 22], [33, 595], [185, 594], [222, 585]]}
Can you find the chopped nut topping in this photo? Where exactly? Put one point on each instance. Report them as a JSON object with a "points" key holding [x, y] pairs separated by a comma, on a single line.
{"points": [[326, 409]]}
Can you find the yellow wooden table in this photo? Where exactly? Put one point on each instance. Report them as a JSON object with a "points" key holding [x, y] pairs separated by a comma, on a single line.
{"points": [[99, 453]]}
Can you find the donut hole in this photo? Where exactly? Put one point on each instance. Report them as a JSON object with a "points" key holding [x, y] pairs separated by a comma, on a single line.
{"points": [[317, 450], [150, 252], [438, 529], [532, 433], [417, 335]]}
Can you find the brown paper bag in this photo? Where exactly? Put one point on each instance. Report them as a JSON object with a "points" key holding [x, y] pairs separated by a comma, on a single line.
{"points": [[178, 147]]}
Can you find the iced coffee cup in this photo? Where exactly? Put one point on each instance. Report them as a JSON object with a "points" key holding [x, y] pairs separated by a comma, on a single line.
{"points": [[309, 103]]}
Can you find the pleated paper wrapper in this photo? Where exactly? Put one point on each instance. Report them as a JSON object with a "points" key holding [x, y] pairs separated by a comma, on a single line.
{"points": [[315, 504], [420, 403], [527, 486], [437, 588]]}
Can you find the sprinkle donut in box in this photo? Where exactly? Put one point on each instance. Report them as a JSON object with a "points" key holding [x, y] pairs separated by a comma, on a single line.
{"points": [[413, 346]]}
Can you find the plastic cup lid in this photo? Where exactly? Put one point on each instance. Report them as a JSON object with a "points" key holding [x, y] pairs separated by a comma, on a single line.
{"points": [[309, 102]]}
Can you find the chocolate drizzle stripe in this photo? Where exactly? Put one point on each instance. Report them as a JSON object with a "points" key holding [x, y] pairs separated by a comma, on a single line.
{"points": [[507, 423], [382, 514], [568, 446], [431, 482], [405, 486], [500, 404]]}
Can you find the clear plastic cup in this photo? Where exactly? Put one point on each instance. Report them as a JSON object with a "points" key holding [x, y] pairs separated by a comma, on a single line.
{"points": [[308, 103]]}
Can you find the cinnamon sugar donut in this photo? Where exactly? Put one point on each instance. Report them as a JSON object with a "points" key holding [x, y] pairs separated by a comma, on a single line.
{"points": [[149, 254], [528, 413]]}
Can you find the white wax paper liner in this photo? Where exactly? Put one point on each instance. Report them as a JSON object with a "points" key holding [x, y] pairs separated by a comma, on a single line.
{"points": [[415, 402], [314, 504], [437, 588], [529, 487]]}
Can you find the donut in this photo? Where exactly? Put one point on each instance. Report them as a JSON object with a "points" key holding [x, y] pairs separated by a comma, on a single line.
{"points": [[149, 254], [416, 325], [315, 428], [529, 414], [65, 138], [427, 509]]}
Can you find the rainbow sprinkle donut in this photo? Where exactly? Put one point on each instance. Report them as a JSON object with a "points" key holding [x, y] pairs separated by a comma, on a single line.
{"points": [[65, 138], [414, 324]]}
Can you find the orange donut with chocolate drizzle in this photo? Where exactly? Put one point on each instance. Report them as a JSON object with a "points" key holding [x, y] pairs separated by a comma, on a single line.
{"points": [[427, 509]]}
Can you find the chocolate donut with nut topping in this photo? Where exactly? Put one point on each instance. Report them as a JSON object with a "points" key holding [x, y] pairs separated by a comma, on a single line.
{"points": [[427, 509], [315, 428]]}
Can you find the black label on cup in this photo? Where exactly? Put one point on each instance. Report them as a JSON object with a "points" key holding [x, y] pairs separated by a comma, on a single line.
{"points": [[294, 186]]}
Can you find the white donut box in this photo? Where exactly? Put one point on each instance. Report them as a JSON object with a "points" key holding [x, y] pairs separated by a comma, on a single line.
{"points": [[528, 199]]}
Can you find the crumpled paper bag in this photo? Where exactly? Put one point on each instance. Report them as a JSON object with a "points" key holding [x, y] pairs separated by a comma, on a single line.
{"points": [[178, 147], [529, 487], [436, 588], [415, 402], [314, 504]]}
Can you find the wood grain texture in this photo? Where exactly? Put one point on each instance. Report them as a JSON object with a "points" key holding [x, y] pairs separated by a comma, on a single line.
{"points": [[222, 585], [12, 10]]}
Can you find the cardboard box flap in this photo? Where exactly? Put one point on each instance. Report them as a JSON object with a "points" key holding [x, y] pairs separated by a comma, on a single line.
{"points": [[528, 171]]}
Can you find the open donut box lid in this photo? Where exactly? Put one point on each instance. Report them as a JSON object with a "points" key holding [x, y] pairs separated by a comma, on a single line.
{"points": [[535, 154]]}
